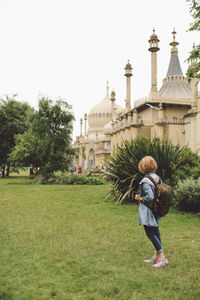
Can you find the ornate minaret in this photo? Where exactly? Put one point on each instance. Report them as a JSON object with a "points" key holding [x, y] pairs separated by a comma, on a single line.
{"points": [[128, 74], [85, 119], [194, 83], [113, 95], [81, 127], [154, 49]]}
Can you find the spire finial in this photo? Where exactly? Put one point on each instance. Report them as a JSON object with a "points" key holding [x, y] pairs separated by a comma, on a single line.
{"points": [[174, 43], [113, 95], [107, 86], [153, 30], [174, 34]]}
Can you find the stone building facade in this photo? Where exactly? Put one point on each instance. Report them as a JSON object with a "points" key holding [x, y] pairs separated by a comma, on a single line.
{"points": [[172, 113]]}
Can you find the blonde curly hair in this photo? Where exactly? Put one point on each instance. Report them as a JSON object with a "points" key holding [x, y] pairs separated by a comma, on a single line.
{"points": [[147, 165]]}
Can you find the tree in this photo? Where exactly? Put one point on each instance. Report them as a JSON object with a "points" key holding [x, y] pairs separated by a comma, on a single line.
{"points": [[194, 69], [47, 143], [13, 121]]}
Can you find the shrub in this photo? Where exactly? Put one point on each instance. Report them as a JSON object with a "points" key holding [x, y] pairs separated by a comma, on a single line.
{"points": [[39, 179], [96, 172], [123, 165], [187, 165], [68, 179], [51, 180], [62, 179], [77, 179], [186, 195], [95, 180]]}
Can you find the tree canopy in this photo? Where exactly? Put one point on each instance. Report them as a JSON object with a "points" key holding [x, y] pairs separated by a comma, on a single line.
{"points": [[194, 69], [13, 121], [47, 142]]}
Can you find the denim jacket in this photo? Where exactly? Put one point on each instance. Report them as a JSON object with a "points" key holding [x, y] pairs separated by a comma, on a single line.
{"points": [[147, 192]]}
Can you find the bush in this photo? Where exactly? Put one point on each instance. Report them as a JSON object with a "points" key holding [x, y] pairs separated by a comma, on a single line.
{"points": [[123, 165], [96, 173], [186, 195], [62, 179], [39, 179], [95, 180], [77, 179], [187, 165], [68, 179]]}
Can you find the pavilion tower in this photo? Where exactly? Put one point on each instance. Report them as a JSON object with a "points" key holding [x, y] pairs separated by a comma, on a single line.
{"points": [[175, 85], [128, 74], [154, 49]]}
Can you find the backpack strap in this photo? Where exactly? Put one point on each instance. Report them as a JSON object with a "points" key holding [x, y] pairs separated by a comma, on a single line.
{"points": [[152, 180]]}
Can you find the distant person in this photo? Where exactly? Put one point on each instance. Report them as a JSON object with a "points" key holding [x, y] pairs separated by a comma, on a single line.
{"points": [[31, 170], [79, 169], [72, 170], [148, 166]]}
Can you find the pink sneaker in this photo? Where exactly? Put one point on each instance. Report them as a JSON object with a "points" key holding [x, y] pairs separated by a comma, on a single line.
{"points": [[161, 263], [151, 260]]}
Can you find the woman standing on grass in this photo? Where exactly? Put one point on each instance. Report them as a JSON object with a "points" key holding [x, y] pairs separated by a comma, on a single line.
{"points": [[148, 166]]}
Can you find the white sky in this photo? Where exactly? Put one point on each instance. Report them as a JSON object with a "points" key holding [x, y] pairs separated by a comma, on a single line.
{"points": [[70, 48]]}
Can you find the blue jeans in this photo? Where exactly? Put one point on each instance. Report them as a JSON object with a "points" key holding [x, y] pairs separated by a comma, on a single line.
{"points": [[153, 234]]}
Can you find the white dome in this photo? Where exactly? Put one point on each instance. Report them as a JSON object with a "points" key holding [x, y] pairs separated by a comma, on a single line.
{"points": [[101, 114]]}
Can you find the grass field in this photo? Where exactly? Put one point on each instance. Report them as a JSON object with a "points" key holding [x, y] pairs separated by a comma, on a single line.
{"points": [[67, 242]]}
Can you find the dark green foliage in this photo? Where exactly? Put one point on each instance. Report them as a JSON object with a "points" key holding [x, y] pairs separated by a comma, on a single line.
{"points": [[186, 195], [187, 165], [95, 181], [70, 179], [173, 163], [13, 121], [77, 179], [194, 69], [47, 142], [194, 6]]}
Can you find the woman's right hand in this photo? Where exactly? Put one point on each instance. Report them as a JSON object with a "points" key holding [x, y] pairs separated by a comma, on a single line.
{"points": [[138, 197]]}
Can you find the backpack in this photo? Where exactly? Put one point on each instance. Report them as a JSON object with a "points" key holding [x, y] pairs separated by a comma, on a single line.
{"points": [[162, 200]]}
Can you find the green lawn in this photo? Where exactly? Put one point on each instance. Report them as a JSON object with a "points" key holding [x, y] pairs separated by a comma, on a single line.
{"points": [[67, 242]]}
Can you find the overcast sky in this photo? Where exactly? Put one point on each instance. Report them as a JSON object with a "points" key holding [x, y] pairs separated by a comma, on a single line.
{"points": [[70, 48]]}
